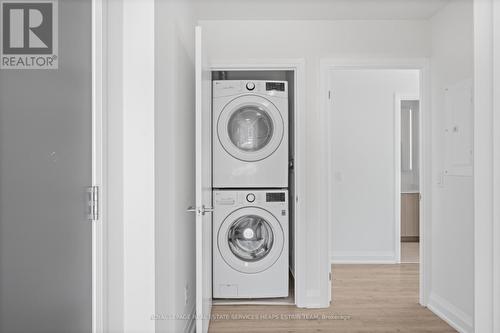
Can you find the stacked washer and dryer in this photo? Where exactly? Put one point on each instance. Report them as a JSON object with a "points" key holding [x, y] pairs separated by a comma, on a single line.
{"points": [[250, 181]]}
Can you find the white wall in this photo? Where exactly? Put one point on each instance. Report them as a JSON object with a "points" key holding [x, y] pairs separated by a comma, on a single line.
{"points": [[363, 158], [129, 219], [235, 41], [452, 243], [138, 165], [175, 152], [150, 110]]}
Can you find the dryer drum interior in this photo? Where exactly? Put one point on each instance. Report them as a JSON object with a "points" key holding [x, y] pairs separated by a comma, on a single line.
{"points": [[250, 128]]}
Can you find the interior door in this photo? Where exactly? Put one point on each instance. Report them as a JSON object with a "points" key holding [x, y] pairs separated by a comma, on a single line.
{"points": [[45, 167], [203, 187]]}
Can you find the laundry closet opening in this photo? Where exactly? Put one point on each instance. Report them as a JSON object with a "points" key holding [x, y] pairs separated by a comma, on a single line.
{"points": [[253, 182]]}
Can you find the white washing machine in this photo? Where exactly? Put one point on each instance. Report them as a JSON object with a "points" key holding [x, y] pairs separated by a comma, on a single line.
{"points": [[250, 134], [250, 244]]}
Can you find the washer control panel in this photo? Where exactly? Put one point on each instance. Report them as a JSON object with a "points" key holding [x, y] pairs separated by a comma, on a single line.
{"points": [[223, 88]]}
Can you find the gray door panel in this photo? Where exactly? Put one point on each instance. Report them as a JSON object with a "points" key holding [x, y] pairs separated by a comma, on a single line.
{"points": [[45, 166]]}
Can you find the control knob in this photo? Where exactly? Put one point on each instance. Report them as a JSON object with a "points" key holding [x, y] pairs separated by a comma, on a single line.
{"points": [[250, 197]]}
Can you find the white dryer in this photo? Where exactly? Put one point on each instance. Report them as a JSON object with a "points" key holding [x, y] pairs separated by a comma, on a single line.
{"points": [[250, 244], [250, 134]]}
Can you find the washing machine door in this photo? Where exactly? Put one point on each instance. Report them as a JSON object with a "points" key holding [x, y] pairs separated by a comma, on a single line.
{"points": [[250, 240], [250, 128]]}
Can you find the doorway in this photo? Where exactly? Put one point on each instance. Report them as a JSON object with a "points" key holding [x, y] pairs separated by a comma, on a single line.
{"points": [[364, 164], [277, 73], [407, 107]]}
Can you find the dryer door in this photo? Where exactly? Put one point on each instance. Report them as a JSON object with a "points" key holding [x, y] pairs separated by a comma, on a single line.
{"points": [[250, 128], [250, 240]]}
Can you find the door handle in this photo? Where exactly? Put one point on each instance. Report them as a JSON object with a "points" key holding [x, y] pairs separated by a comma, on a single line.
{"points": [[201, 210], [206, 209]]}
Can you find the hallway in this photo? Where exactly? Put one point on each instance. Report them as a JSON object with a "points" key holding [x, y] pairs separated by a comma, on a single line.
{"points": [[368, 298]]}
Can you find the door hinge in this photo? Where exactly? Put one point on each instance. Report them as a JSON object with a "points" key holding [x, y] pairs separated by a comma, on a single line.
{"points": [[330, 276], [93, 203], [329, 94]]}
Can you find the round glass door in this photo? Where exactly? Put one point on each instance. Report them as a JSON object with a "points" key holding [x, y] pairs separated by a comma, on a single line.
{"points": [[250, 128], [250, 238]]}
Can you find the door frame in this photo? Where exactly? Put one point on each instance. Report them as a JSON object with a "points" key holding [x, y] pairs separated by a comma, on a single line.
{"points": [[398, 98], [486, 166], [298, 67], [421, 64], [98, 163]]}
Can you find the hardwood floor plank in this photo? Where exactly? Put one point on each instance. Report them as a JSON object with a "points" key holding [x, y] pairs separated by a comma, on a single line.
{"points": [[367, 299]]}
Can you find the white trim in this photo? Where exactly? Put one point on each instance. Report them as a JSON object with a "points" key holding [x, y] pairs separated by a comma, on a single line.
{"points": [[98, 173], [496, 166], [486, 166], [421, 64], [397, 166], [455, 317], [298, 67], [363, 257]]}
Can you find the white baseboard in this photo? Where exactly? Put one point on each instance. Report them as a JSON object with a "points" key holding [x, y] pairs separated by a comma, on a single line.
{"points": [[363, 257], [455, 317], [191, 324]]}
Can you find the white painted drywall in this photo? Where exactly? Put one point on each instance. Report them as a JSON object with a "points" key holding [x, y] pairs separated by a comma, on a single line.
{"points": [[138, 166], [237, 41], [318, 9], [150, 165], [175, 173], [130, 184], [452, 243], [363, 160]]}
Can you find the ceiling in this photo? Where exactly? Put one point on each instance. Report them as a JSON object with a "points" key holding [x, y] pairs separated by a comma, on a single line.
{"points": [[318, 9]]}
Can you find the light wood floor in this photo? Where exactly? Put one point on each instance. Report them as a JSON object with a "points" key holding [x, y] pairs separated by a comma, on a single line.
{"points": [[410, 253], [367, 298]]}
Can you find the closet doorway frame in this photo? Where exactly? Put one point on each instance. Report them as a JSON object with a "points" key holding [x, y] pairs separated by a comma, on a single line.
{"points": [[298, 68]]}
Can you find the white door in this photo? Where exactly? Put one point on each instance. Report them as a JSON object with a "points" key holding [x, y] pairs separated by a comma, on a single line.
{"points": [[45, 167], [203, 187]]}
